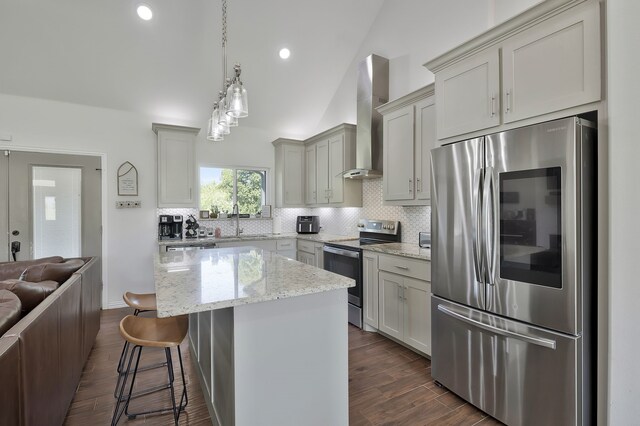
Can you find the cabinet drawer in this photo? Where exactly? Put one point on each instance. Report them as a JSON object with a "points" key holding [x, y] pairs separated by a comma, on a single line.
{"points": [[306, 246], [285, 245], [418, 269]]}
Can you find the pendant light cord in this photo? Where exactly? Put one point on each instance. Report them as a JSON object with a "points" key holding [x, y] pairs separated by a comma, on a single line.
{"points": [[224, 44]]}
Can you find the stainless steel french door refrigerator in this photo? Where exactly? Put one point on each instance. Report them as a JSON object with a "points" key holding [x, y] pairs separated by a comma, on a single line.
{"points": [[512, 268]]}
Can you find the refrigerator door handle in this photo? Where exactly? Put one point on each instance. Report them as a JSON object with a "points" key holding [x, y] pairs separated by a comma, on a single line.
{"points": [[547, 343], [488, 197], [477, 224]]}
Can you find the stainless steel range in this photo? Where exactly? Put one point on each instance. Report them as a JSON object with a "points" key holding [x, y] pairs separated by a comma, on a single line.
{"points": [[345, 258]]}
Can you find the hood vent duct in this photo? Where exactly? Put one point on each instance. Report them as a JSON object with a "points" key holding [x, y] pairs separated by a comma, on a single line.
{"points": [[373, 91]]}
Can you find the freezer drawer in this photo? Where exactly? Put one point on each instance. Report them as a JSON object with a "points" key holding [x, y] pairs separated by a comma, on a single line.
{"points": [[519, 374]]}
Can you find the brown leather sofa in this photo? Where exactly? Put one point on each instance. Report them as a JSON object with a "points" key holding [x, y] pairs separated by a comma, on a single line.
{"points": [[42, 356]]}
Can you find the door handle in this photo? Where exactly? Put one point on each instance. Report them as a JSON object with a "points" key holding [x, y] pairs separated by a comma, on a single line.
{"points": [[419, 185], [547, 343], [477, 224], [15, 248], [508, 98], [489, 224], [493, 106], [401, 267]]}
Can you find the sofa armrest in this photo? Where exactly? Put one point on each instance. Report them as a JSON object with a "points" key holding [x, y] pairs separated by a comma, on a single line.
{"points": [[13, 270], [30, 294], [58, 272], [10, 390]]}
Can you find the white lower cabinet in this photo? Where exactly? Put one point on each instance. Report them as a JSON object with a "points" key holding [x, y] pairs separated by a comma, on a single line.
{"points": [[370, 288], [397, 298], [311, 253], [307, 258]]}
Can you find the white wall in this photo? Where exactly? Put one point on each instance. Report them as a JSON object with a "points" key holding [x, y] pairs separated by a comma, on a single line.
{"points": [[410, 33], [624, 205], [129, 234]]}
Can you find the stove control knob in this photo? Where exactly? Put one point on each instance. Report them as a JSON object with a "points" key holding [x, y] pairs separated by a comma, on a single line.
{"points": [[393, 227]]}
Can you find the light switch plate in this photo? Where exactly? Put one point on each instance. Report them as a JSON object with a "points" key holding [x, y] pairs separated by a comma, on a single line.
{"points": [[128, 204]]}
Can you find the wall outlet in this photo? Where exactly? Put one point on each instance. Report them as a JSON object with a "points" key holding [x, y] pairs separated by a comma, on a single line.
{"points": [[128, 204]]}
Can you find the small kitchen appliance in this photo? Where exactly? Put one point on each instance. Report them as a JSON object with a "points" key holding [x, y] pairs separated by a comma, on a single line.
{"points": [[170, 227], [345, 258], [192, 227], [308, 224], [424, 239]]}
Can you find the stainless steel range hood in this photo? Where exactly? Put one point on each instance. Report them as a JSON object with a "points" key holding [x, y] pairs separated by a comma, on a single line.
{"points": [[373, 91]]}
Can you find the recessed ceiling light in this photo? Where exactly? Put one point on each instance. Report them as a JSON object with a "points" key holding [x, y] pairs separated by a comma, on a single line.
{"points": [[285, 53], [144, 12]]}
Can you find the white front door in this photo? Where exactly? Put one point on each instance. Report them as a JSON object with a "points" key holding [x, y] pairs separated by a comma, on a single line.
{"points": [[53, 205]]}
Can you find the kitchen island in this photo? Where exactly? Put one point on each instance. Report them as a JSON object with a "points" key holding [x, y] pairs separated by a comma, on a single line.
{"points": [[268, 334]]}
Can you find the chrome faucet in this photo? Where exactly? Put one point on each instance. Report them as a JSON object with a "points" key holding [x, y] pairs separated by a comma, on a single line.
{"points": [[236, 211]]}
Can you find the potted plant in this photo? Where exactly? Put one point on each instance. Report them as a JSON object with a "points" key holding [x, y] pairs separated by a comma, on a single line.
{"points": [[214, 211]]}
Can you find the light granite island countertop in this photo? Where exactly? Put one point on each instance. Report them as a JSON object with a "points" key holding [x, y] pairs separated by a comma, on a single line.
{"points": [[268, 334]]}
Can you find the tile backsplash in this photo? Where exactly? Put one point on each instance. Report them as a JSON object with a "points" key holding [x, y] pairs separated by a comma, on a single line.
{"points": [[340, 221]]}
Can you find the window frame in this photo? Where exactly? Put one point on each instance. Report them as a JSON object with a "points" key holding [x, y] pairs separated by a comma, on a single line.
{"points": [[234, 196]]}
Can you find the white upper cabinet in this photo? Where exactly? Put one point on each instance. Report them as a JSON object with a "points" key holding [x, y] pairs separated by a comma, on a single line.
{"points": [[409, 134], [398, 154], [289, 172], [334, 151], [322, 172], [467, 94], [425, 118], [552, 66], [535, 67], [176, 165], [336, 168], [310, 173]]}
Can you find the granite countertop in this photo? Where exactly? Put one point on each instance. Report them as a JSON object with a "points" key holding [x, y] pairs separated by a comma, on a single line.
{"points": [[204, 280], [401, 249], [320, 238]]}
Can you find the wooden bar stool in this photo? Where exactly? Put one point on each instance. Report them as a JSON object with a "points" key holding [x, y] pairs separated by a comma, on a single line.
{"points": [[144, 332], [140, 302]]}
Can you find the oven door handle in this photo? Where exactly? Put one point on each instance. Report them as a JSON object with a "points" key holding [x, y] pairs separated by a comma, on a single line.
{"points": [[341, 252]]}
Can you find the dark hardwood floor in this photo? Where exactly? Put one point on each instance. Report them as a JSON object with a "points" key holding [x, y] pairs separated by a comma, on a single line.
{"points": [[388, 385]]}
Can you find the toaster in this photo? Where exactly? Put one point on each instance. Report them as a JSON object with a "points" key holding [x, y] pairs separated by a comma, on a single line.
{"points": [[308, 224]]}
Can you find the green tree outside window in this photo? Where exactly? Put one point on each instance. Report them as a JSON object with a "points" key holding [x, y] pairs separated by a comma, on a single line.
{"points": [[220, 187]]}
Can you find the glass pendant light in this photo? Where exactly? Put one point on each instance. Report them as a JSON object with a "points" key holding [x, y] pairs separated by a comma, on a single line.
{"points": [[231, 121], [232, 101], [222, 115], [214, 132], [237, 103]]}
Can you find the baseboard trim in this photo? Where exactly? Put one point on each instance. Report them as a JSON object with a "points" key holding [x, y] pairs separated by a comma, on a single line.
{"points": [[116, 305]]}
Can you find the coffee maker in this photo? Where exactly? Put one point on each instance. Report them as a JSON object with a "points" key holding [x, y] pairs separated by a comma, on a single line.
{"points": [[170, 227]]}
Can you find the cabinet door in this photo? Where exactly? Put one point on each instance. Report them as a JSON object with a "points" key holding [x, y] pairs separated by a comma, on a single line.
{"points": [[391, 317], [293, 175], [370, 288], [425, 141], [467, 95], [306, 258], [336, 168], [553, 65], [291, 254], [417, 314], [398, 154], [319, 255], [176, 169], [322, 172], [310, 175]]}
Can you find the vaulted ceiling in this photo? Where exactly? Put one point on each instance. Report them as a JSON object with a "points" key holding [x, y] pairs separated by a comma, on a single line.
{"points": [[100, 53]]}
